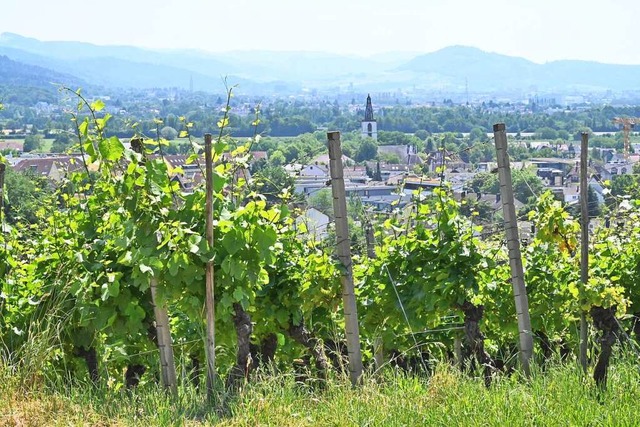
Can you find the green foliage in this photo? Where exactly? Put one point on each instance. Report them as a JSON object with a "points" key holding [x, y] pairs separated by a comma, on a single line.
{"points": [[421, 134], [367, 150], [25, 194], [425, 268], [477, 134], [169, 133], [90, 250], [322, 200], [274, 182], [397, 138], [546, 133], [32, 143], [526, 184], [61, 143], [277, 159], [627, 185], [390, 158]]}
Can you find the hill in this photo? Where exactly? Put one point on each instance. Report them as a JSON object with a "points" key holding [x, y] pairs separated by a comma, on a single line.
{"points": [[16, 73], [118, 66], [487, 71], [285, 72]]}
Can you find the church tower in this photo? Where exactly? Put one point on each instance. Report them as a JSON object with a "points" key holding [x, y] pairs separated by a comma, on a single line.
{"points": [[369, 125]]}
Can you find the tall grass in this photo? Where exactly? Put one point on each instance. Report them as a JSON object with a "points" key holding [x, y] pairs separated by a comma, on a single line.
{"points": [[561, 396], [24, 358]]}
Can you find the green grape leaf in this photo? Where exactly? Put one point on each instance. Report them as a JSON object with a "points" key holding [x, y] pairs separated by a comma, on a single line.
{"points": [[111, 149], [97, 105]]}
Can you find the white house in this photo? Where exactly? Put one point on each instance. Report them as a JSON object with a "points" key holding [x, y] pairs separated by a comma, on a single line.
{"points": [[313, 223], [317, 171]]}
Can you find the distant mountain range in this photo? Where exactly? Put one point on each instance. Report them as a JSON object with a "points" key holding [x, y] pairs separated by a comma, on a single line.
{"points": [[19, 74], [495, 72], [452, 69]]}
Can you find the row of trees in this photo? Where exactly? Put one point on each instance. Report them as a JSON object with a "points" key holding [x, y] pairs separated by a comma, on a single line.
{"points": [[292, 118]]}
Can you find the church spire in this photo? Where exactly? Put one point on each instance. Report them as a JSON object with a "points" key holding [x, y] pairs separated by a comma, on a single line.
{"points": [[368, 112], [369, 125]]}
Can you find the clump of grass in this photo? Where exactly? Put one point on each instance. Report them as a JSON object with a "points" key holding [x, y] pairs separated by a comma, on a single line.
{"points": [[561, 396]]}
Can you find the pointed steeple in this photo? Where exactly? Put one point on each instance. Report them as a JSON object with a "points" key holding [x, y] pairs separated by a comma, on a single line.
{"points": [[369, 125], [368, 112]]}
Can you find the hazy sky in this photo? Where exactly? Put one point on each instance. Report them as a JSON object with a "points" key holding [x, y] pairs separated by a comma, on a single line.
{"points": [[540, 30]]}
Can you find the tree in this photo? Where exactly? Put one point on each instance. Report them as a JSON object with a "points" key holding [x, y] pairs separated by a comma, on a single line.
{"points": [[322, 200], [32, 142], [367, 150], [397, 138], [277, 158], [422, 134], [477, 134], [624, 185], [592, 203], [526, 184], [546, 133], [429, 147], [272, 180], [12, 124], [368, 171], [391, 158], [168, 133], [60, 143], [577, 135], [291, 152], [378, 174]]}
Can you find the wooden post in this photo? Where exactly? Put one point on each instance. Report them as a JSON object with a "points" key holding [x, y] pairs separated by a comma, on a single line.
{"points": [[210, 347], [513, 244], [160, 312], [343, 250], [371, 241], [165, 343], [457, 351], [3, 168], [378, 348], [584, 242]]}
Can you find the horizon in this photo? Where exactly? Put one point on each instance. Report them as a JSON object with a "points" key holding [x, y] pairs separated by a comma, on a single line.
{"points": [[169, 50], [346, 55], [566, 31]]}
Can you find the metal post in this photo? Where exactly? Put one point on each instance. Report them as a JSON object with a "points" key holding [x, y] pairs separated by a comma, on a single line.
{"points": [[210, 347], [513, 244], [584, 242], [343, 250]]}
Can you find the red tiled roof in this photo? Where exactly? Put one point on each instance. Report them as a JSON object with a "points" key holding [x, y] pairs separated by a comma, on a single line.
{"points": [[44, 166], [11, 145]]}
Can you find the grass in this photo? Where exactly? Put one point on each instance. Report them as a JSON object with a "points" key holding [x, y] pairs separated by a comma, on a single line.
{"points": [[44, 148], [559, 397], [46, 145]]}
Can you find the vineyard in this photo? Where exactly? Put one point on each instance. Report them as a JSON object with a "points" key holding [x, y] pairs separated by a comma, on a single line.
{"points": [[111, 279]]}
